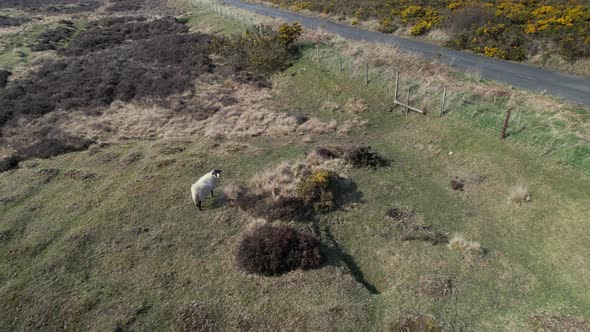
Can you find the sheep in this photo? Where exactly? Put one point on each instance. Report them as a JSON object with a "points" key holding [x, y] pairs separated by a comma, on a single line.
{"points": [[204, 186]]}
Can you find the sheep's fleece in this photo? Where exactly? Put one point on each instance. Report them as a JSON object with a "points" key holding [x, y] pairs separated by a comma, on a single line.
{"points": [[205, 185]]}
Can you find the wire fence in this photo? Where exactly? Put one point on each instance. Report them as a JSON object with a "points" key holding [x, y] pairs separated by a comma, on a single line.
{"points": [[527, 128]]}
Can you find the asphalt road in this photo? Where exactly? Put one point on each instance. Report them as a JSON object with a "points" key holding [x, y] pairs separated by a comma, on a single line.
{"points": [[569, 87]]}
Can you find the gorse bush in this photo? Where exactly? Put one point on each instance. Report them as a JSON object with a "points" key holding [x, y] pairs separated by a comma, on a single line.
{"points": [[260, 49], [274, 250], [290, 33], [550, 25], [320, 190]]}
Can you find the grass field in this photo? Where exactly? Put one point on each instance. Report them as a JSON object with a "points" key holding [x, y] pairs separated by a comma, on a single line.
{"points": [[109, 237]]}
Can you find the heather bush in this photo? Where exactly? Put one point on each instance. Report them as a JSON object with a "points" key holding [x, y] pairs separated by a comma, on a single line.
{"points": [[287, 208], [273, 250], [4, 75], [358, 156], [467, 18]]}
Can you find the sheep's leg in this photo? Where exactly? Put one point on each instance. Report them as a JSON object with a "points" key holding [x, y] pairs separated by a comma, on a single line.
{"points": [[212, 194], [199, 206]]}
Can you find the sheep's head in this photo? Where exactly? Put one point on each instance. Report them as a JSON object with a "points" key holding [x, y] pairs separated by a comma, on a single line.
{"points": [[216, 173]]}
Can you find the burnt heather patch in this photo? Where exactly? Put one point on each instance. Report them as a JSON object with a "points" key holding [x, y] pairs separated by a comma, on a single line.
{"points": [[124, 5], [121, 59], [52, 6], [52, 38], [7, 21], [154, 68], [112, 31]]}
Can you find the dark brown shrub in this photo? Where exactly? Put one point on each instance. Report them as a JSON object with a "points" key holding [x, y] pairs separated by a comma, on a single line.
{"points": [[274, 250], [270, 209], [288, 208], [398, 214], [4, 75], [7, 21], [9, 162], [457, 184], [357, 156], [465, 19]]}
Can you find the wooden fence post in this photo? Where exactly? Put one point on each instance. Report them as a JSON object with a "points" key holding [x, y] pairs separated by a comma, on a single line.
{"points": [[317, 53], [408, 102], [340, 61], [503, 134], [366, 73], [444, 100], [396, 85]]}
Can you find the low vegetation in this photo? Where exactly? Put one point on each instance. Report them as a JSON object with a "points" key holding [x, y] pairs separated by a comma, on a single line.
{"points": [[469, 249], [273, 250]]}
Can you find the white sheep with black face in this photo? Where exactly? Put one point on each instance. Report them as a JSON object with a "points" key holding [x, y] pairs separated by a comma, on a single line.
{"points": [[205, 185]]}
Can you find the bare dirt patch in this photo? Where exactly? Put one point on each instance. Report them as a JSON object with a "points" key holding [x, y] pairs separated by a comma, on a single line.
{"points": [[558, 323], [407, 226], [435, 286], [417, 323]]}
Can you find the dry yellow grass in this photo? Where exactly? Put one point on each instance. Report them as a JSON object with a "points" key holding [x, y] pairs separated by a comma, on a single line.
{"points": [[356, 106], [283, 179], [253, 114], [465, 247], [519, 194], [255, 224]]}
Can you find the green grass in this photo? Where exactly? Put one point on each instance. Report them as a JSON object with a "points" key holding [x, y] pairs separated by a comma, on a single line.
{"points": [[24, 40], [127, 246]]}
